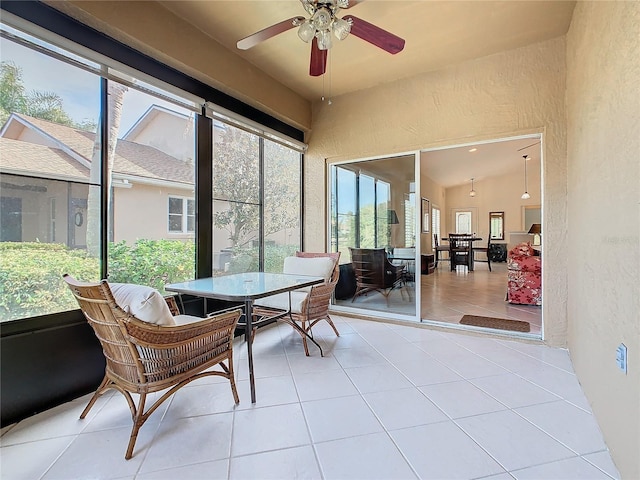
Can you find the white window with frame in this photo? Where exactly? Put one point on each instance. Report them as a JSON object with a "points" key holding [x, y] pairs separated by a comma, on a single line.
{"points": [[463, 222], [182, 215], [435, 224]]}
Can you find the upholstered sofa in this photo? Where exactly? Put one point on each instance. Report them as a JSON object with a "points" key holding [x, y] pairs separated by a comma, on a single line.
{"points": [[524, 275]]}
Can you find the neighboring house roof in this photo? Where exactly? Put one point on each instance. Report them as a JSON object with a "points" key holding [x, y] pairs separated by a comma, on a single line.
{"points": [[131, 158], [18, 156], [148, 117]]}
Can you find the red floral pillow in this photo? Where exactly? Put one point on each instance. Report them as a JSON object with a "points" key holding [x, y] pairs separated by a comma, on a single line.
{"points": [[524, 249]]}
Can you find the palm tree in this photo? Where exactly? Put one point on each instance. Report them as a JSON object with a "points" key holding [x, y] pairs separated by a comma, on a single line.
{"points": [[116, 93]]}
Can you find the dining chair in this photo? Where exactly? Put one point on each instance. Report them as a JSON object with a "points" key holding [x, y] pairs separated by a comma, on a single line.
{"points": [[459, 249], [144, 357], [308, 306], [439, 249], [485, 250], [405, 256]]}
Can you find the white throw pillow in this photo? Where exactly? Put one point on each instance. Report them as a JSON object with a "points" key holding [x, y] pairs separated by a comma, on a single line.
{"points": [[145, 303], [313, 266]]}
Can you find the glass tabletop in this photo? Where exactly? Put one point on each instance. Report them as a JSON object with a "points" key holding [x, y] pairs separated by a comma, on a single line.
{"points": [[244, 286]]}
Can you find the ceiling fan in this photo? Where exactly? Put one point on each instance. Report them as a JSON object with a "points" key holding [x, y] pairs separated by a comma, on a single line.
{"points": [[323, 21]]}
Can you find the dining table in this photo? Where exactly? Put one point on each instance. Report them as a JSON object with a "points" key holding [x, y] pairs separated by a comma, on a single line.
{"points": [[246, 288], [469, 239]]}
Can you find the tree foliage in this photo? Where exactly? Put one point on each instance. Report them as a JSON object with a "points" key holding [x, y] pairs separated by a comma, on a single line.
{"points": [[236, 180], [14, 98]]}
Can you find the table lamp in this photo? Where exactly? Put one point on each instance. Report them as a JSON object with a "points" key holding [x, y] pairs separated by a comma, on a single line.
{"points": [[536, 230]]}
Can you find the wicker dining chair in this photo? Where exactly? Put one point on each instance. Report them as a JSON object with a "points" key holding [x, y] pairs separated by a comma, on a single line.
{"points": [[142, 358], [315, 306]]}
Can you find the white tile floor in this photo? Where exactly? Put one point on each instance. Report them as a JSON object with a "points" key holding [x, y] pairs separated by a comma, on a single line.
{"points": [[387, 401]]}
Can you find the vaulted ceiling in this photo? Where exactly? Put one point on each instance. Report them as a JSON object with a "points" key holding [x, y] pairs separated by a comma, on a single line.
{"points": [[437, 34]]}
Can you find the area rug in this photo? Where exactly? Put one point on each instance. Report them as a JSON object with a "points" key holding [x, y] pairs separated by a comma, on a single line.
{"points": [[499, 323]]}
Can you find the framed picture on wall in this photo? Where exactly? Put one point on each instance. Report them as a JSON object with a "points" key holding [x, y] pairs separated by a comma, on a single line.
{"points": [[426, 215]]}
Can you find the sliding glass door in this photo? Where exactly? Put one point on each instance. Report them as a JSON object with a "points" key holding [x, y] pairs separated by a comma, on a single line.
{"points": [[373, 225]]}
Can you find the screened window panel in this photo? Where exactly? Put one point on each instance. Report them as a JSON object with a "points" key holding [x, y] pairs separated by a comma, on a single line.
{"points": [[49, 204], [282, 177]]}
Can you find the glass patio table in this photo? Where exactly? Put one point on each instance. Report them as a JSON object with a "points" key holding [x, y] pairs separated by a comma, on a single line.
{"points": [[246, 287]]}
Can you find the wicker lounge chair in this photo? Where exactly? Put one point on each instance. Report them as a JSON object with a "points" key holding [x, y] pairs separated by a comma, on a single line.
{"points": [[142, 358], [314, 305]]}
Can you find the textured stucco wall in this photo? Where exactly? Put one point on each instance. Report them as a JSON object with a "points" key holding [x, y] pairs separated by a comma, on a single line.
{"points": [[515, 92], [154, 30], [603, 150]]}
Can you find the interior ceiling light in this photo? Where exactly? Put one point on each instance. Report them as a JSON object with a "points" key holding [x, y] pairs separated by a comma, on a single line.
{"points": [[525, 195], [472, 193], [474, 149]]}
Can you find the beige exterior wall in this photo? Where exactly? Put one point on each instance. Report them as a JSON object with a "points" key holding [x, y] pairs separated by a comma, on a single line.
{"points": [[169, 133], [603, 150], [154, 202], [503, 95]]}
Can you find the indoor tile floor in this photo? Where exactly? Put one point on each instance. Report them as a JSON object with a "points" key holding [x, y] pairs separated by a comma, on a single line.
{"points": [[386, 402], [446, 296]]}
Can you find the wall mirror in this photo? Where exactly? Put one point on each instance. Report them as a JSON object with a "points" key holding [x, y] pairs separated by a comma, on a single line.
{"points": [[496, 225]]}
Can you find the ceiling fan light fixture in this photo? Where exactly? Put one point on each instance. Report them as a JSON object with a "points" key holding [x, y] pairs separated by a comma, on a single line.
{"points": [[322, 19], [306, 31], [341, 28], [324, 39]]}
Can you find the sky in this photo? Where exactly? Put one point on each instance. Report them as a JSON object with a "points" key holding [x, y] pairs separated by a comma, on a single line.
{"points": [[79, 89]]}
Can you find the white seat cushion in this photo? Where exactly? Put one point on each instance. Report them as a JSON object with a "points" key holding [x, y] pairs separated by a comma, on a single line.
{"points": [[185, 319], [145, 303], [281, 301], [312, 266]]}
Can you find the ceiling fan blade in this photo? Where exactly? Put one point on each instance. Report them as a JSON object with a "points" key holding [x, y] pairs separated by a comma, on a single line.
{"points": [[267, 33], [318, 64], [375, 35]]}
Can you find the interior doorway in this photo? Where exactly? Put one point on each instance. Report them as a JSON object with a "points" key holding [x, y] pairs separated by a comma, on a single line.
{"points": [[469, 183]]}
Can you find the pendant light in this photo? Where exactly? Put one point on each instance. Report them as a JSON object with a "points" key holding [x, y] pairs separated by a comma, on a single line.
{"points": [[472, 193], [525, 195]]}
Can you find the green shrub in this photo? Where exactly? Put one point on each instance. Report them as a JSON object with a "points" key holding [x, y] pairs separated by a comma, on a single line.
{"points": [[31, 273], [31, 278], [152, 262], [275, 255]]}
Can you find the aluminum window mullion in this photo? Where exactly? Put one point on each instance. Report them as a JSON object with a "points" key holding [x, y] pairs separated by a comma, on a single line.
{"points": [[261, 209]]}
